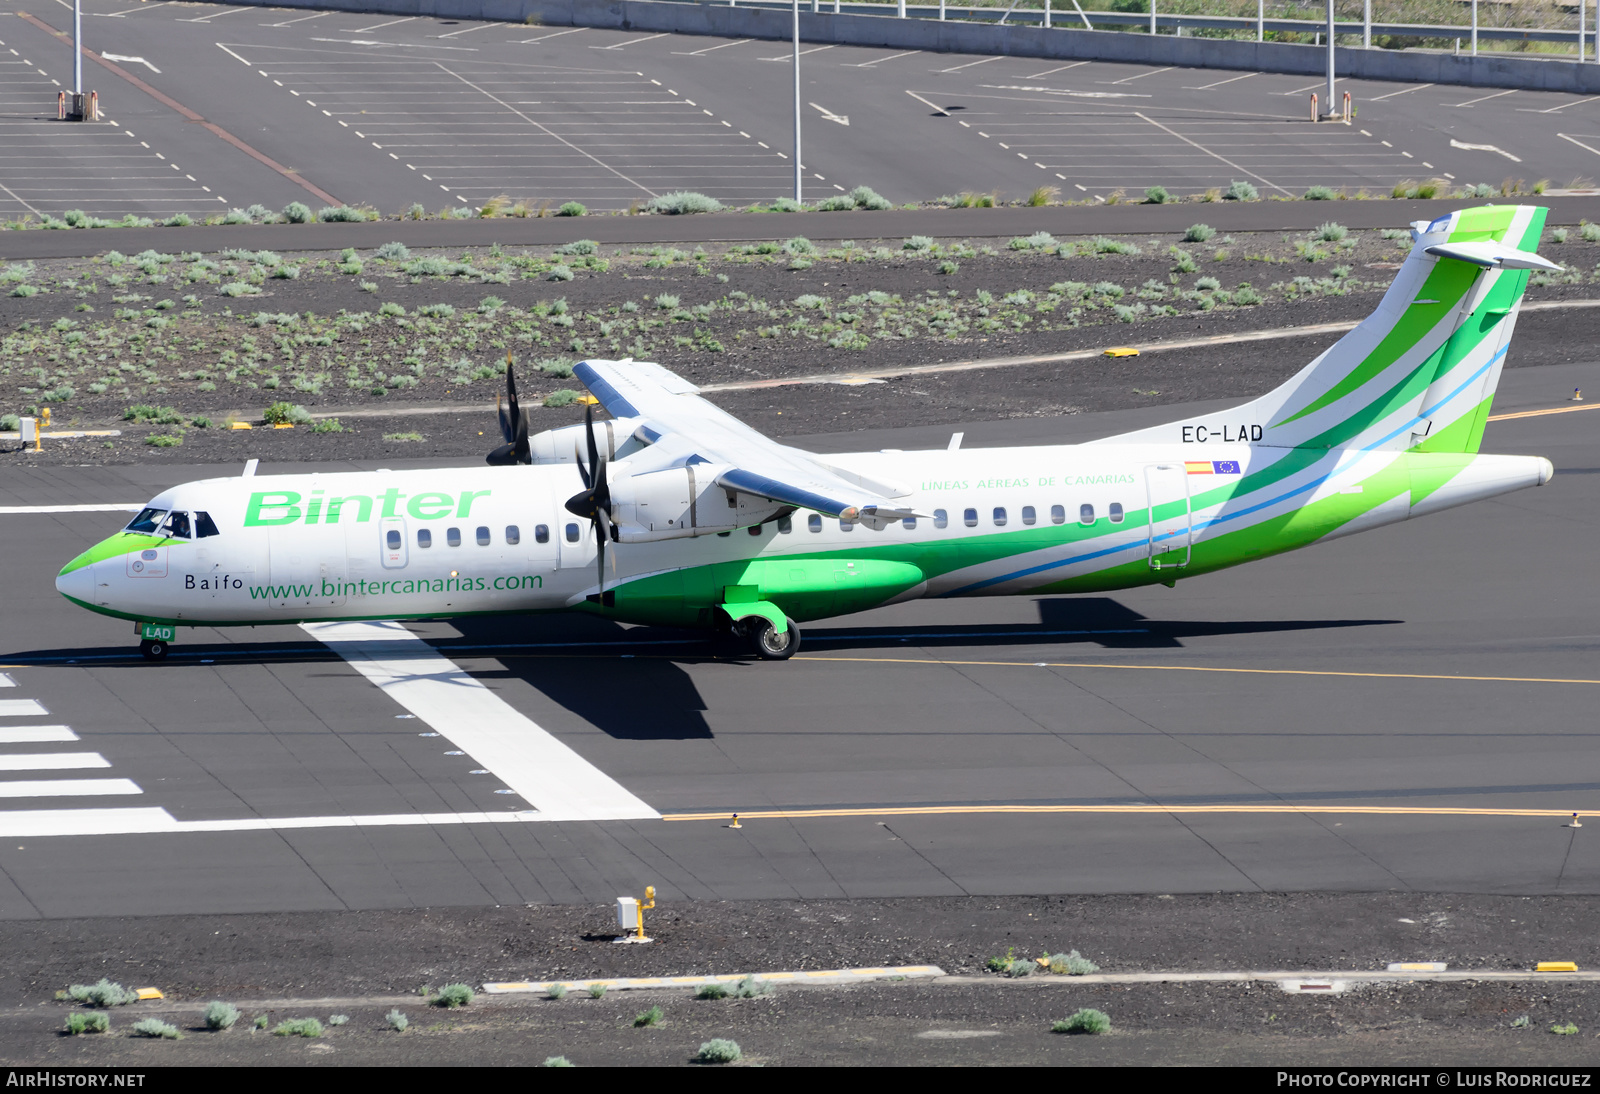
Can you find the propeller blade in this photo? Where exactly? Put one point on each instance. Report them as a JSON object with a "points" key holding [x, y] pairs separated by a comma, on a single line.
{"points": [[602, 532], [588, 429]]}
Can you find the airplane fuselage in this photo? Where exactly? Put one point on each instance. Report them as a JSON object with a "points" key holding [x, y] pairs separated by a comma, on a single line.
{"points": [[460, 541]]}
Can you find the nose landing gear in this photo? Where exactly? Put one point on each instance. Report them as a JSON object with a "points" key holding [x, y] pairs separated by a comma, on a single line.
{"points": [[153, 650], [155, 639]]}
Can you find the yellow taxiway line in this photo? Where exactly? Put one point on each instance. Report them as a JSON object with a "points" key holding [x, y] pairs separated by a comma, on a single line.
{"points": [[945, 810], [1542, 413], [1212, 668]]}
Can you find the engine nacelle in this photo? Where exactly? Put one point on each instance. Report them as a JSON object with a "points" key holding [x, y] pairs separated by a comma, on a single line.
{"points": [[614, 438], [682, 501]]}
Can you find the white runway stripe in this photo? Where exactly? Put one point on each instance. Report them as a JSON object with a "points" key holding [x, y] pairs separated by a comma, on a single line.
{"points": [[145, 821], [19, 735], [129, 507], [547, 774], [21, 708], [51, 788], [52, 761]]}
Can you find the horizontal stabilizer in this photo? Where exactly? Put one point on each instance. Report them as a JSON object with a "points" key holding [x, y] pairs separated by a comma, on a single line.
{"points": [[1493, 256]]}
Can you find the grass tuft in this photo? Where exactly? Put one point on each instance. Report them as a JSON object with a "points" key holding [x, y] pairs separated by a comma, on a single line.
{"points": [[1240, 191], [155, 1027], [1156, 195], [1087, 1020], [557, 1061], [397, 1020], [1043, 195], [282, 413], [1330, 232], [1071, 964], [597, 991], [79, 1022], [556, 991], [298, 1027], [297, 212], [648, 1017], [711, 991], [865, 197], [220, 1015], [683, 202], [719, 1050], [572, 209], [1565, 1029], [102, 993], [1320, 193]]}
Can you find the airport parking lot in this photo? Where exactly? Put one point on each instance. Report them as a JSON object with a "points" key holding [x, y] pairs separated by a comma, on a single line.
{"points": [[393, 111]]}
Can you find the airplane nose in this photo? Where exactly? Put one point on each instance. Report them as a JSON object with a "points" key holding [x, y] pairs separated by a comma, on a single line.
{"points": [[77, 584]]}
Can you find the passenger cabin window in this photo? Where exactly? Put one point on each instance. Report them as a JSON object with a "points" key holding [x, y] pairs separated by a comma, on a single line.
{"points": [[541, 533], [1116, 512], [999, 516], [204, 526], [846, 525], [452, 536], [483, 535], [941, 519], [909, 522], [147, 521], [785, 526], [1085, 513], [1058, 514], [392, 537], [424, 538], [1029, 516], [969, 517], [814, 522], [513, 535], [177, 524], [572, 533]]}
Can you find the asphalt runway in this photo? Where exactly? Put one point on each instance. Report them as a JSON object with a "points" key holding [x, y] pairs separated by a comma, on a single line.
{"points": [[1428, 669], [393, 111]]}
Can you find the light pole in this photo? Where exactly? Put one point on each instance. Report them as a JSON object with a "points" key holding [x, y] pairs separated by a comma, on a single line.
{"points": [[1330, 109], [797, 180], [77, 47]]}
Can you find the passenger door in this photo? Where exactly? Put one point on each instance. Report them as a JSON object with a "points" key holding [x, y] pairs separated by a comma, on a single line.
{"points": [[1171, 525]]}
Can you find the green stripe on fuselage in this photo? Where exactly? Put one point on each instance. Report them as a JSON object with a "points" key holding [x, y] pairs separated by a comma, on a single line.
{"points": [[121, 544]]}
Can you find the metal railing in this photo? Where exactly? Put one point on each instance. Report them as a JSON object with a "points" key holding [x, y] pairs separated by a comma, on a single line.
{"points": [[1066, 14]]}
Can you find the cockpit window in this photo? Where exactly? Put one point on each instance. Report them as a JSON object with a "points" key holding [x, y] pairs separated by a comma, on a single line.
{"points": [[147, 521], [177, 524], [204, 526]]}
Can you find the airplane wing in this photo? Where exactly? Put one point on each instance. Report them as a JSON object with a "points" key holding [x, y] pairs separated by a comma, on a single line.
{"points": [[675, 418]]}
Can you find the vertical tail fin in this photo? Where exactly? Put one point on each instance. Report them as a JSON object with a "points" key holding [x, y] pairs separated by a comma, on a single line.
{"points": [[1420, 372]]}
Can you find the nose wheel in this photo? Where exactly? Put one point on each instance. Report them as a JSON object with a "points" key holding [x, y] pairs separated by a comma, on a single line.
{"points": [[153, 650]]}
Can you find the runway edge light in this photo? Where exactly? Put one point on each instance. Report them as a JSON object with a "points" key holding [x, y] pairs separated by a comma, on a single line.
{"points": [[630, 916], [1556, 966]]}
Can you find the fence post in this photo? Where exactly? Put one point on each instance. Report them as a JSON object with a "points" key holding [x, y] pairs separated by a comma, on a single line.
{"points": [[1261, 20], [1313, 106], [902, 7], [1475, 26], [1366, 24], [1046, 14], [1152, 16]]}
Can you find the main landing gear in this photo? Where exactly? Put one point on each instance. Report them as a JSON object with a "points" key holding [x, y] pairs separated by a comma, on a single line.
{"points": [[766, 641], [153, 650]]}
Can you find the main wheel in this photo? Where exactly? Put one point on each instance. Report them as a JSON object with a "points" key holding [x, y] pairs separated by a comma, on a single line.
{"points": [[153, 651], [772, 644]]}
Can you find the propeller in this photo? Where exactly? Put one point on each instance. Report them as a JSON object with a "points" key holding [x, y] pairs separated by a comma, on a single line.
{"points": [[513, 426], [594, 502]]}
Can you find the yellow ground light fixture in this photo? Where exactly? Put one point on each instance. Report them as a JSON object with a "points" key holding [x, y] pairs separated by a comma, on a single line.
{"points": [[630, 916], [1122, 351]]}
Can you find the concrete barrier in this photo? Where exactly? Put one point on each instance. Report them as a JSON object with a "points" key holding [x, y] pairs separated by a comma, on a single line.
{"points": [[889, 32]]}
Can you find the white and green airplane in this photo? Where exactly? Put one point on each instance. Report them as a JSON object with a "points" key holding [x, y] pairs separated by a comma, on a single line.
{"points": [[673, 512]]}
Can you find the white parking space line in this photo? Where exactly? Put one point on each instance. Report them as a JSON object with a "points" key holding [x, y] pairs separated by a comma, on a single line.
{"points": [[214, 15], [712, 49], [1207, 151], [1311, 87], [1393, 94], [379, 26], [803, 52], [469, 30], [31, 735], [302, 19], [52, 761], [1219, 83], [67, 788], [21, 708], [544, 772], [129, 11], [1586, 147], [547, 37], [969, 64], [631, 42], [1483, 98], [880, 60], [1563, 106], [1058, 68], [1137, 76], [936, 109]]}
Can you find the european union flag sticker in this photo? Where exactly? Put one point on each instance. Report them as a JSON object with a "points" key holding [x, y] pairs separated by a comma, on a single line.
{"points": [[1225, 467]]}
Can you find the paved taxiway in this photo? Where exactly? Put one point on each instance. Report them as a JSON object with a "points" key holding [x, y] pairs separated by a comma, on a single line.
{"points": [[1435, 667], [211, 107]]}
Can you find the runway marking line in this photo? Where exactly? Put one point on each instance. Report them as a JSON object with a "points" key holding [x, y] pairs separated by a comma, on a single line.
{"points": [[943, 810], [1211, 668]]}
